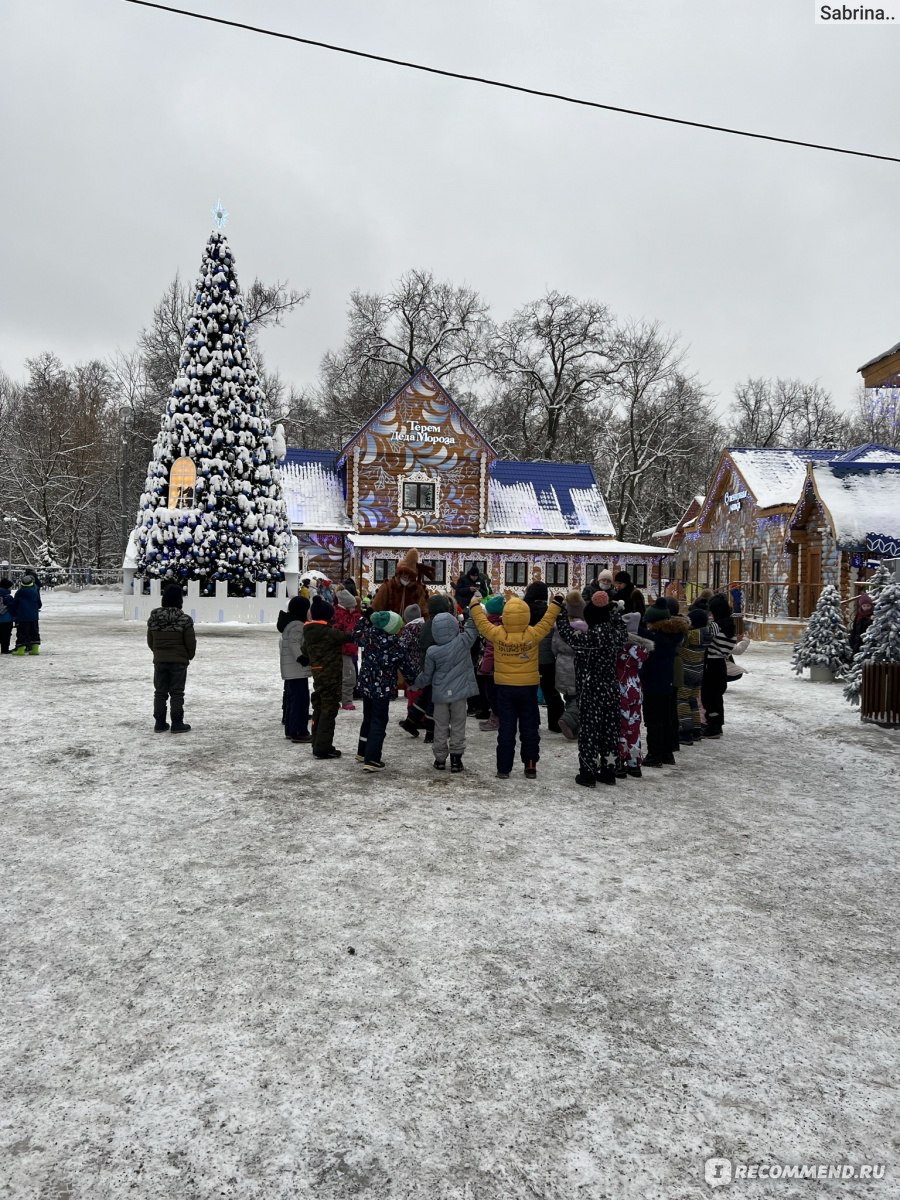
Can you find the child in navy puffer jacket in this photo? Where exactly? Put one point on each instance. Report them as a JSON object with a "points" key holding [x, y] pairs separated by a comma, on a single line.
{"points": [[383, 655]]}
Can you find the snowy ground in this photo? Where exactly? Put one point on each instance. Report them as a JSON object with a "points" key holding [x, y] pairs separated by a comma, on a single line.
{"points": [[230, 970]]}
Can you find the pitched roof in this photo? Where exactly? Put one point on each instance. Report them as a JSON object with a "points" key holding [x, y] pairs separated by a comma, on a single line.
{"points": [[774, 476], [421, 378], [314, 490], [879, 357], [863, 501], [546, 497]]}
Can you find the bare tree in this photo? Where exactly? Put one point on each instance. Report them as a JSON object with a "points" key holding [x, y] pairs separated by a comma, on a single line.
{"points": [[785, 412], [657, 408], [553, 361]]}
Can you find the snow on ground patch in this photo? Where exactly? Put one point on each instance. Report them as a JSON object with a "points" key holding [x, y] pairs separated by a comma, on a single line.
{"points": [[232, 970]]}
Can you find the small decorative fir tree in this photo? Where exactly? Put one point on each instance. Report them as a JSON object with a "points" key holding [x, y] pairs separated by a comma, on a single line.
{"points": [[881, 641], [883, 575], [826, 641], [213, 507]]}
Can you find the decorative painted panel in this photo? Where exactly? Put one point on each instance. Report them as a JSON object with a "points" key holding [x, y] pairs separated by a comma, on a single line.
{"points": [[420, 436]]}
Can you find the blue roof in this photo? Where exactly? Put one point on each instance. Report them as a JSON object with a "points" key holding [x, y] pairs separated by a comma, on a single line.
{"points": [[546, 497], [325, 458], [545, 475]]}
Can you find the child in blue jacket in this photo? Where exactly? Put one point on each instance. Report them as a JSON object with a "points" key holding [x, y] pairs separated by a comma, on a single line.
{"points": [[450, 673]]}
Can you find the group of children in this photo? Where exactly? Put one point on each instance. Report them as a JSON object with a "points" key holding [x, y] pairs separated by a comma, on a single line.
{"points": [[606, 663], [614, 663], [20, 610]]}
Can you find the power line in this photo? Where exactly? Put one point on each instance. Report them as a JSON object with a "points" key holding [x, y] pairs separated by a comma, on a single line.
{"points": [[511, 87]]}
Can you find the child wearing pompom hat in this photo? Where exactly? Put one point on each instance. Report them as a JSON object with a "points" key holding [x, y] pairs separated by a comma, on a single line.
{"points": [[383, 655], [598, 689]]}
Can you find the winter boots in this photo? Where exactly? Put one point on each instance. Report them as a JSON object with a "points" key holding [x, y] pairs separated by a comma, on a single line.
{"points": [[490, 725], [408, 727], [455, 764], [34, 650], [161, 725], [531, 770], [178, 726], [439, 765], [586, 779], [19, 651], [607, 774]]}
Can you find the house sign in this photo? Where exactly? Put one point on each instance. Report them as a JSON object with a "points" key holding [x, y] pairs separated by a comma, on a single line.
{"points": [[428, 435], [733, 500]]}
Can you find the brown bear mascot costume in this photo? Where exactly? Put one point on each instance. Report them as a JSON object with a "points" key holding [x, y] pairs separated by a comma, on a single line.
{"points": [[406, 587]]}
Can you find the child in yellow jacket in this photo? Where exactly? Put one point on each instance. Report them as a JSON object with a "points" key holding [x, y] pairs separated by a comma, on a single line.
{"points": [[516, 678]]}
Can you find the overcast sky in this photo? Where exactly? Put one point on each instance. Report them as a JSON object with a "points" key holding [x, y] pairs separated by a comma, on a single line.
{"points": [[121, 126]]}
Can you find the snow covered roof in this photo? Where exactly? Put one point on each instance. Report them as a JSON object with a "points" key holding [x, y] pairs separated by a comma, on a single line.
{"points": [[879, 357], [862, 500], [399, 543], [546, 497], [774, 476], [314, 491]]}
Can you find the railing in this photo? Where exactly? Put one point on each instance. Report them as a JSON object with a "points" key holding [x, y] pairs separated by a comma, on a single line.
{"points": [[783, 601], [69, 577]]}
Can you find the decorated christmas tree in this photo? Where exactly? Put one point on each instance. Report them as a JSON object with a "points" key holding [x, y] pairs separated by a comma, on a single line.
{"points": [[212, 507], [881, 641], [826, 641]]}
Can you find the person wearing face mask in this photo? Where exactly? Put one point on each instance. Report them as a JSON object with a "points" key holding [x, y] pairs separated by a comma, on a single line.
{"points": [[407, 586]]}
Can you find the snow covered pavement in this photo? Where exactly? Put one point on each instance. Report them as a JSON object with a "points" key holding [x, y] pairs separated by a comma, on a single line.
{"points": [[230, 970]]}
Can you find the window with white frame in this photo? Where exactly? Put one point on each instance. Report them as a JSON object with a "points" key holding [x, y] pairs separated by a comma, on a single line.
{"points": [[556, 574], [639, 575], [419, 492], [384, 569], [515, 573], [439, 567]]}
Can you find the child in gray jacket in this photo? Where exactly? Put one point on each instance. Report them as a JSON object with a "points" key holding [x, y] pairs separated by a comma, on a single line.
{"points": [[450, 673]]}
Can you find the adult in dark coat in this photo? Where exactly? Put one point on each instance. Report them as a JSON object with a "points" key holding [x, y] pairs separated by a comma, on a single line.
{"points": [[658, 683], [467, 585], [536, 597], [624, 591], [7, 610]]}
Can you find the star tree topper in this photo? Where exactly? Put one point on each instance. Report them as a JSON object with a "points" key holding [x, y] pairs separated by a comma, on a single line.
{"points": [[220, 214]]}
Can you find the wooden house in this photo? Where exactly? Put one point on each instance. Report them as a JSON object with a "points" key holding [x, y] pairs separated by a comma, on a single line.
{"points": [[846, 521], [419, 474]]}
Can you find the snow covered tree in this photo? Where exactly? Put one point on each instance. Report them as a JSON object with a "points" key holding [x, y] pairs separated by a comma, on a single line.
{"points": [[881, 641], [826, 641], [49, 571], [883, 576], [212, 507]]}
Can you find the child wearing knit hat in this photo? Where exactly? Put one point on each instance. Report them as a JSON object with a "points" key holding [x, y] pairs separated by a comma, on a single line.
{"points": [[383, 655], [346, 614], [171, 637]]}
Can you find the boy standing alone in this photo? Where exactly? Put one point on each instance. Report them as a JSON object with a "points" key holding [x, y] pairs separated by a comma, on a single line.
{"points": [[171, 637]]}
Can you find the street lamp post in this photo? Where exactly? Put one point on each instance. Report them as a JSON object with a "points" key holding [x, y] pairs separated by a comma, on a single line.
{"points": [[9, 522]]}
